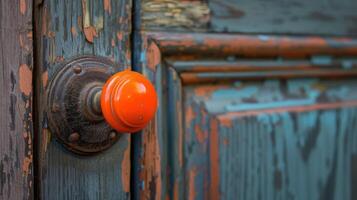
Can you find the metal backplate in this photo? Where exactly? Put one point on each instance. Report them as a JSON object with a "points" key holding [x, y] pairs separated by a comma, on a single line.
{"points": [[69, 119]]}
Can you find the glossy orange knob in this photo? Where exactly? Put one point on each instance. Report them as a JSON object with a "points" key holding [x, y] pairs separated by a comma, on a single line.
{"points": [[128, 101]]}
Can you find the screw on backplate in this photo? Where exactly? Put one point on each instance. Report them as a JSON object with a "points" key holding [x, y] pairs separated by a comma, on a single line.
{"points": [[112, 135], [77, 69], [74, 137], [55, 107]]}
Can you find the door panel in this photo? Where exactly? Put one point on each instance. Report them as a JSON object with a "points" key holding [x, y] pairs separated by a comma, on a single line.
{"points": [[16, 111], [268, 139], [249, 117], [65, 30]]}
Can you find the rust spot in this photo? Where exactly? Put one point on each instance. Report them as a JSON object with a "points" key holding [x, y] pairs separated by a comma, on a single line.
{"points": [[90, 33], [214, 160], [44, 79], [74, 31], [107, 6], [125, 169], [25, 76], [23, 6], [191, 184], [26, 165], [153, 56]]}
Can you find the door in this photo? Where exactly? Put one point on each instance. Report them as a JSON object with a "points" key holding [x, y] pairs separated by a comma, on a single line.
{"points": [[257, 100]]}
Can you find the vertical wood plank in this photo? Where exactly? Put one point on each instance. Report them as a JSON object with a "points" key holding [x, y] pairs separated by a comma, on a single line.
{"points": [[16, 133], [66, 29]]}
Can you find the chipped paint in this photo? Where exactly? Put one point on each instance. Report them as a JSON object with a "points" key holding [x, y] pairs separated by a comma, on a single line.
{"points": [[25, 79], [90, 33], [151, 174], [23, 7], [44, 79], [26, 169], [153, 56], [107, 6]]}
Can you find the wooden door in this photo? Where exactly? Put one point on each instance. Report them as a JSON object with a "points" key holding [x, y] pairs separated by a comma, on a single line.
{"points": [[257, 100]]}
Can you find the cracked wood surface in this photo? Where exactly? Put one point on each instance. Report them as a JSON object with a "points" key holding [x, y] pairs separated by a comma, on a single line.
{"points": [[16, 112], [65, 30]]}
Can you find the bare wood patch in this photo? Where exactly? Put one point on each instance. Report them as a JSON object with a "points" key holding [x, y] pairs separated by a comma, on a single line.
{"points": [[158, 14]]}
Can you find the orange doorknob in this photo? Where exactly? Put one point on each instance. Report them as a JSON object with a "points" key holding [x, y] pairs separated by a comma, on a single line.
{"points": [[128, 101]]}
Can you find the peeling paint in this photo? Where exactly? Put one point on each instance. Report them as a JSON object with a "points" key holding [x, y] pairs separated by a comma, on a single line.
{"points": [[23, 6], [90, 33], [25, 79], [153, 56], [44, 79], [26, 165], [107, 6]]}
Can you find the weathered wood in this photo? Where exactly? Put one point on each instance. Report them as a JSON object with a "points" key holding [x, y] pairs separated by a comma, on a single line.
{"points": [[317, 17], [296, 17], [16, 111], [64, 30], [174, 15], [250, 140], [198, 114]]}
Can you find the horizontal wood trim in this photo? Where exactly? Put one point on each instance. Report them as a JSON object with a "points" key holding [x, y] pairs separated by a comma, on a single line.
{"points": [[191, 78], [174, 44], [295, 109]]}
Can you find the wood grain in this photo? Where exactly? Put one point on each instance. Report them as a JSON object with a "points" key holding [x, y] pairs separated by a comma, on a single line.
{"points": [[305, 17], [16, 111], [193, 116], [283, 152], [64, 30]]}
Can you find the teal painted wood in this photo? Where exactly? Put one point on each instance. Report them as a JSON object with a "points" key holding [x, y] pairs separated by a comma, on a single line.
{"points": [[186, 150], [284, 155], [64, 30], [16, 110], [291, 152], [284, 17]]}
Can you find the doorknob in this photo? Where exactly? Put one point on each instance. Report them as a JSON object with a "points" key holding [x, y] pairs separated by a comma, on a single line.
{"points": [[128, 101], [90, 105]]}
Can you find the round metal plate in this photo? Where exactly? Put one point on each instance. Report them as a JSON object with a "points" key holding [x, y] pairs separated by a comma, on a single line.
{"points": [[68, 116]]}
